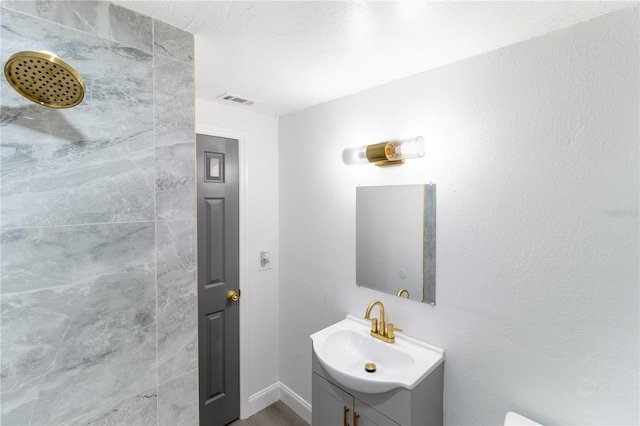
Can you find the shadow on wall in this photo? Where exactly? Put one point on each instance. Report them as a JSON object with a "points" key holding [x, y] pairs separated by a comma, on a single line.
{"points": [[36, 117]]}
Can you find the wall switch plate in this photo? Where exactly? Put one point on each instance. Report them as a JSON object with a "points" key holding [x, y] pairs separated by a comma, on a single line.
{"points": [[265, 260]]}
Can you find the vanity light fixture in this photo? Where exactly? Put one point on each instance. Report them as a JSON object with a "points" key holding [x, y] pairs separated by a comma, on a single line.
{"points": [[386, 153]]}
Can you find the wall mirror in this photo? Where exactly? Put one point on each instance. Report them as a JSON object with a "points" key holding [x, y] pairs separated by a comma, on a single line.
{"points": [[396, 240]]}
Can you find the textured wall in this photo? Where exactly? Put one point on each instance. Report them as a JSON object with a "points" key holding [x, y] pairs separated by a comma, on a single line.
{"points": [[536, 162], [98, 224]]}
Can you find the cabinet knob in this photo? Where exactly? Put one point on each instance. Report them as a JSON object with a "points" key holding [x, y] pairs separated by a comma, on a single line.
{"points": [[356, 416], [345, 421]]}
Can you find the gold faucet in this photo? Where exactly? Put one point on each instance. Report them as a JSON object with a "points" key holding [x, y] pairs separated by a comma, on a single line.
{"points": [[378, 329], [402, 292]]}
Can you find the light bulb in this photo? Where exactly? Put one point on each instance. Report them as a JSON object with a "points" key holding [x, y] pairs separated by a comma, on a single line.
{"points": [[386, 153]]}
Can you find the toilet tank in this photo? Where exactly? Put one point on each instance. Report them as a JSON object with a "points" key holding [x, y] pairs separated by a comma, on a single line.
{"points": [[515, 419]]}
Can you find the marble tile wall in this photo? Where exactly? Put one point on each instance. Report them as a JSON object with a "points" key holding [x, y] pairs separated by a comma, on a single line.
{"points": [[176, 225], [97, 224]]}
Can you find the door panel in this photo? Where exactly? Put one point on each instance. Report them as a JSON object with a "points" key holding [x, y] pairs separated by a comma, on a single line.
{"points": [[215, 355], [215, 243], [218, 273], [367, 416], [331, 405]]}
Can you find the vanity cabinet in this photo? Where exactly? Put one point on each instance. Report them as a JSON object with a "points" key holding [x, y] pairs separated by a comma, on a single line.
{"points": [[336, 405]]}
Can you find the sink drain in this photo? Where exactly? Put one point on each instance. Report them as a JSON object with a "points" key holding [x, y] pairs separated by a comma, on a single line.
{"points": [[370, 367]]}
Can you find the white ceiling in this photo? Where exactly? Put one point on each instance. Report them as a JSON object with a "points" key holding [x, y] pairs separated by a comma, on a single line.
{"points": [[291, 55]]}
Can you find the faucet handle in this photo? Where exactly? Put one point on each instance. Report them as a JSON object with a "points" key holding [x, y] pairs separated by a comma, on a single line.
{"points": [[374, 324], [390, 332]]}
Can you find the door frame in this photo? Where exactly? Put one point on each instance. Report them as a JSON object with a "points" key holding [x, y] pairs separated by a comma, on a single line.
{"points": [[243, 255]]}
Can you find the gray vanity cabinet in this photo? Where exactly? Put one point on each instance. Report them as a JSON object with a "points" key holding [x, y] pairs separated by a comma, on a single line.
{"points": [[335, 405], [367, 416]]}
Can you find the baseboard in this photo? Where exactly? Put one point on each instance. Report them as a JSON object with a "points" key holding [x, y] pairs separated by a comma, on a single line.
{"points": [[264, 398], [279, 391], [295, 402]]}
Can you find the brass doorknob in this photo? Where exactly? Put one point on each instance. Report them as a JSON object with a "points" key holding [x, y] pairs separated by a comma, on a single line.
{"points": [[233, 296]]}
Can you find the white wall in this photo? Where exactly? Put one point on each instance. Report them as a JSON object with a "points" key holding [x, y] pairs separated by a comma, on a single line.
{"points": [[260, 291], [537, 297]]}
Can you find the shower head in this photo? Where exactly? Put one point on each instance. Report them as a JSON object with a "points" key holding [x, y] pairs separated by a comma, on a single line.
{"points": [[45, 79]]}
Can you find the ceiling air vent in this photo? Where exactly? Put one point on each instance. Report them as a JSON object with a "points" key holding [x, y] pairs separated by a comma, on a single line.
{"points": [[237, 99]]}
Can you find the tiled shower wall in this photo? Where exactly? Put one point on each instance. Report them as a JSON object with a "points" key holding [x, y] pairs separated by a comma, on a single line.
{"points": [[97, 249]]}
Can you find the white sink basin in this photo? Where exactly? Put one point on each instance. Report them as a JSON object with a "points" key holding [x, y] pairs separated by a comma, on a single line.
{"points": [[344, 348]]}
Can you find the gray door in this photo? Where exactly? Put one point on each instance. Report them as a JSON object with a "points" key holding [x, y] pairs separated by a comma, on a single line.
{"points": [[218, 277]]}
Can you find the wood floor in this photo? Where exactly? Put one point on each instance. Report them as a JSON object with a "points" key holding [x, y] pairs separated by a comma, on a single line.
{"points": [[277, 414]]}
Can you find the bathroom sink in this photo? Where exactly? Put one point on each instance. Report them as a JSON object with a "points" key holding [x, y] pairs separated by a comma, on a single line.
{"points": [[344, 349]]}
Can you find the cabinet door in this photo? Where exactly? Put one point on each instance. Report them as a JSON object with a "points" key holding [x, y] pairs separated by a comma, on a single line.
{"points": [[331, 405], [367, 416]]}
